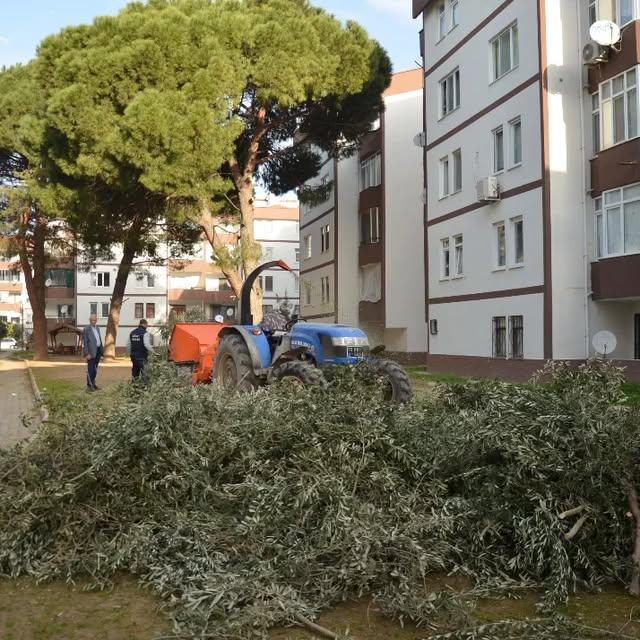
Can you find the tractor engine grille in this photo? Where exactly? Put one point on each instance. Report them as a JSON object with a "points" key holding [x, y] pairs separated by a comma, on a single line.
{"points": [[351, 352]]}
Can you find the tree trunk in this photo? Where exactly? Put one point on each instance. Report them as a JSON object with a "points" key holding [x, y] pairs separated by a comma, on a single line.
{"points": [[34, 280], [119, 289], [250, 251]]}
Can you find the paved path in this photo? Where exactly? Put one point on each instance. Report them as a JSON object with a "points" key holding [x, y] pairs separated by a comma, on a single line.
{"points": [[16, 400]]}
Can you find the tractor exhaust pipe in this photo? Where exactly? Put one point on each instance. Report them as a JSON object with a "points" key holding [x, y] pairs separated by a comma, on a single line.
{"points": [[246, 317]]}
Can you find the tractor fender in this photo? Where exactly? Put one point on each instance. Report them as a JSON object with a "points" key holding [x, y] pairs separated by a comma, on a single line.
{"points": [[258, 346]]}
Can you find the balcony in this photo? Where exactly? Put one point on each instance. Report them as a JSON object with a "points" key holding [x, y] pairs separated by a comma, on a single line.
{"points": [[615, 167], [372, 312], [370, 252], [191, 297], [616, 278]]}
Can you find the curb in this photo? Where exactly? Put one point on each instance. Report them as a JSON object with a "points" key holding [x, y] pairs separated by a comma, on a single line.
{"points": [[44, 411]]}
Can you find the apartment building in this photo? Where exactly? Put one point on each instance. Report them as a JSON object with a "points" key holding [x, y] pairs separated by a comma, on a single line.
{"points": [[197, 282], [145, 295], [532, 215], [363, 247], [11, 291]]}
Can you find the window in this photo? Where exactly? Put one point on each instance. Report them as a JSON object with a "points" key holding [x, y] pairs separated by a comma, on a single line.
{"points": [[516, 337], [9, 275], [445, 258], [370, 226], [307, 247], [618, 222], [433, 327], [297, 250], [618, 113], [450, 93], [266, 283], [501, 245], [93, 308], [100, 279], [444, 177], [151, 311], [139, 310], [307, 293], [105, 309], [324, 238], [611, 9], [595, 122], [371, 172], [145, 279], [515, 128], [65, 311], [442, 21], [459, 264], [454, 7], [504, 52], [59, 278], [499, 337], [517, 233], [457, 170], [498, 150], [326, 297]]}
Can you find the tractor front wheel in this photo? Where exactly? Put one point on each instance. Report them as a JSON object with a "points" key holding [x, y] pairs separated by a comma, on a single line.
{"points": [[233, 368], [397, 386], [300, 372]]}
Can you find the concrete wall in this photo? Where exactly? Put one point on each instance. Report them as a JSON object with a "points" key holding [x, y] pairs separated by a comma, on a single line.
{"points": [[405, 320]]}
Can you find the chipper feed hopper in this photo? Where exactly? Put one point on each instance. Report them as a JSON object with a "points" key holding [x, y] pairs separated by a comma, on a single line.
{"points": [[247, 356]]}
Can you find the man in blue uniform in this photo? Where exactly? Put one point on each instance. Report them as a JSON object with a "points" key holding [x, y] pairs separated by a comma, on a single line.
{"points": [[139, 347]]}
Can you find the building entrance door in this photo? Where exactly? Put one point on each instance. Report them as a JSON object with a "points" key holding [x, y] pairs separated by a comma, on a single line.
{"points": [[636, 334]]}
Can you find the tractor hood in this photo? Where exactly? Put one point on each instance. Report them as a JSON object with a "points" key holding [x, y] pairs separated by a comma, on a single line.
{"points": [[329, 330], [331, 343]]}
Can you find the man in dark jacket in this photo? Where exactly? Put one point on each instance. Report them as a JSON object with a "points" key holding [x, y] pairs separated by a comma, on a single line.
{"points": [[92, 350], [139, 347]]}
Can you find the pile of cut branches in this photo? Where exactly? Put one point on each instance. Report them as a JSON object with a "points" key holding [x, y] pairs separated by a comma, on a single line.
{"points": [[252, 511]]}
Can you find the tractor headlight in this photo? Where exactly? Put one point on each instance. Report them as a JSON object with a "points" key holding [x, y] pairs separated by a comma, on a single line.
{"points": [[350, 342]]}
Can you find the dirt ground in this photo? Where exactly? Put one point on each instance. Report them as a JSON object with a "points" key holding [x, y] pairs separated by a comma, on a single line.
{"points": [[58, 612]]}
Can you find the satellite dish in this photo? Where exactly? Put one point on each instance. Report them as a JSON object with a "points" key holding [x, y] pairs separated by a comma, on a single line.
{"points": [[230, 312], [64, 309], [604, 342], [219, 319], [605, 33], [48, 282]]}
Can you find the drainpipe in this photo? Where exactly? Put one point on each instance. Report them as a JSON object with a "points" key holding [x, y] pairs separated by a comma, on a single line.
{"points": [[585, 257]]}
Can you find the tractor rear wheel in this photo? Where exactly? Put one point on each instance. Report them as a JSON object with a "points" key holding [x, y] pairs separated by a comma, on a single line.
{"points": [[301, 373], [233, 369], [397, 386]]}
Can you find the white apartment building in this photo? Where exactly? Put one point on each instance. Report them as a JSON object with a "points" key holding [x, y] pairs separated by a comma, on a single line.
{"points": [[363, 247], [145, 295], [532, 183]]}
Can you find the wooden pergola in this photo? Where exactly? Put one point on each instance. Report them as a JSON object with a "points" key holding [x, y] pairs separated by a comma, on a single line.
{"points": [[65, 349]]}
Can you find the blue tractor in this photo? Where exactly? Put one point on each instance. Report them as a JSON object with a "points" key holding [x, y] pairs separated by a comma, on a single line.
{"points": [[248, 355]]}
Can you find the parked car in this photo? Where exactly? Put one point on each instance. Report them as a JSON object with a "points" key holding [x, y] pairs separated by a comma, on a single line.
{"points": [[8, 343]]}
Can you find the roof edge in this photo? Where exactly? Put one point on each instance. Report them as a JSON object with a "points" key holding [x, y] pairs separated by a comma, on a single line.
{"points": [[419, 6]]}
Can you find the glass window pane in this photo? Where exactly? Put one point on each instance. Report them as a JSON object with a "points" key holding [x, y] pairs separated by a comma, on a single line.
{"points": [[515, 45], [505, 52], [498, 150], [626, 11], [598, 204], [632, 113], [457, 81], [450, 96], [614, 231], [457, 171], [618, 84], [517, 142], [595, 102], [495, 48], [596, 133], [606, 90], [632, 193], [618, 119], [606, 122], [632, 227], [612, 197], [502, 245], [631, 78], [599, 236], [518, 231]]}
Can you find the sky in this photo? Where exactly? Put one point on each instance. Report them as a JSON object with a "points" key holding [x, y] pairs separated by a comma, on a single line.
{"points": [[24, 24]]}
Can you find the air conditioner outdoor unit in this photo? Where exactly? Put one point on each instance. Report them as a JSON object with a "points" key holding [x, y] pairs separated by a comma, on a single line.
{"points": [[488, 189], [594, 54], [420, 140]]}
